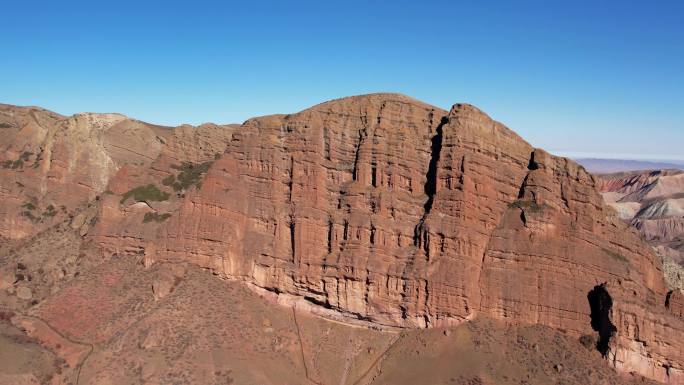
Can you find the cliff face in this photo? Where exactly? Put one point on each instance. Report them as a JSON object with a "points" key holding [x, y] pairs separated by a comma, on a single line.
{"points": [[387, 210], [52, 165]]}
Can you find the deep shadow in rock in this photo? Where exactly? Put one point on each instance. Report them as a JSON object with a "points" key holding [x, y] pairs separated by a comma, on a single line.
{"points": [[601, 303]]}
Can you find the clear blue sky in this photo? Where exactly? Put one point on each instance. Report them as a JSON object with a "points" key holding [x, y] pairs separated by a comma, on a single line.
{"points": [[600, 77]]}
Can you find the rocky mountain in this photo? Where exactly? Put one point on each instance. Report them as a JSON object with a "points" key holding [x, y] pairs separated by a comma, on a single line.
{"points": [[653, 202], [608, 166], [378, 212]]}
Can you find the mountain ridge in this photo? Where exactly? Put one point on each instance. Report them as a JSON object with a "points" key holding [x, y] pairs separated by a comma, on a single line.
{"points": [[376, 207]]}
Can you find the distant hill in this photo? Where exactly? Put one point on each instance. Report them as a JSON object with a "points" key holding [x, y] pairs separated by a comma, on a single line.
{"points": [[653, 202], [605, 166]]}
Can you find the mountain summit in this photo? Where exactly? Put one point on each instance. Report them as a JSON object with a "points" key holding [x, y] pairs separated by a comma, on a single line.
{"points": [[375, 210]]}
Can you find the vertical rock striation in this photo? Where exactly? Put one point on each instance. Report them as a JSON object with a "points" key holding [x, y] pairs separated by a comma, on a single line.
{"points": [[388, 210]]}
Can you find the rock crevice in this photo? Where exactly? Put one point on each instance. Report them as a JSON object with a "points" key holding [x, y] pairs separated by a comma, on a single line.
{"points": [[323, 205]]}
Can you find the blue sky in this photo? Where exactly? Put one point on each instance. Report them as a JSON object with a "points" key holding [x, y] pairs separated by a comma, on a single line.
{"points": [[594, 77]]}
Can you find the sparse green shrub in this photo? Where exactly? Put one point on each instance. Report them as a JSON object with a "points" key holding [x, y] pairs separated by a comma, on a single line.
{"points": [[145, 193], [149, 217], [29, 206], [190, 175], [588, 341], [529, 206], [36, 162], [169, 180], [50, 211], [30, 216], [18, 163], [616, 256]]}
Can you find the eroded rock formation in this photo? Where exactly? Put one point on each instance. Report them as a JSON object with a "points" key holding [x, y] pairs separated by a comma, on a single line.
{"points": [[653, 202], [388, 210]]}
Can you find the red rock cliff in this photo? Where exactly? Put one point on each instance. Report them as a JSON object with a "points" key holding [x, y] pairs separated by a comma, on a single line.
{"points": [[389, 210]]}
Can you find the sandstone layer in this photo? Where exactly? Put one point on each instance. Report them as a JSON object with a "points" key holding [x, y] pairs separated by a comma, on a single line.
{"points": [[377, 208], [109, 327]]}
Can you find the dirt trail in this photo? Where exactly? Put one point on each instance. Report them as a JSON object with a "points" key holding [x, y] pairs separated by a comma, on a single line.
{"points": [[377, 361], [18, 322], [301, 345]]}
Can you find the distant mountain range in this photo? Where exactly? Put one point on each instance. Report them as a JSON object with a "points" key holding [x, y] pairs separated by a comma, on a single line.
{"points": [[605, 166], [653, 202]]}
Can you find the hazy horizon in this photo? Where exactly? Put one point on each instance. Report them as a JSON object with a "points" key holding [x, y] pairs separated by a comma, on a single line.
{"points": [[646, 158], [607, 85]]}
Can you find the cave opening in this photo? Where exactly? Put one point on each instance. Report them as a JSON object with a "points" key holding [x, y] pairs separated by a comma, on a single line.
{"points": [[667, 298], [601, 303]]}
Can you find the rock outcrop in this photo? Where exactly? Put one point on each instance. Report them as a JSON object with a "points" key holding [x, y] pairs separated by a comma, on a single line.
{"points": [[387, 210], [54, 165]]}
